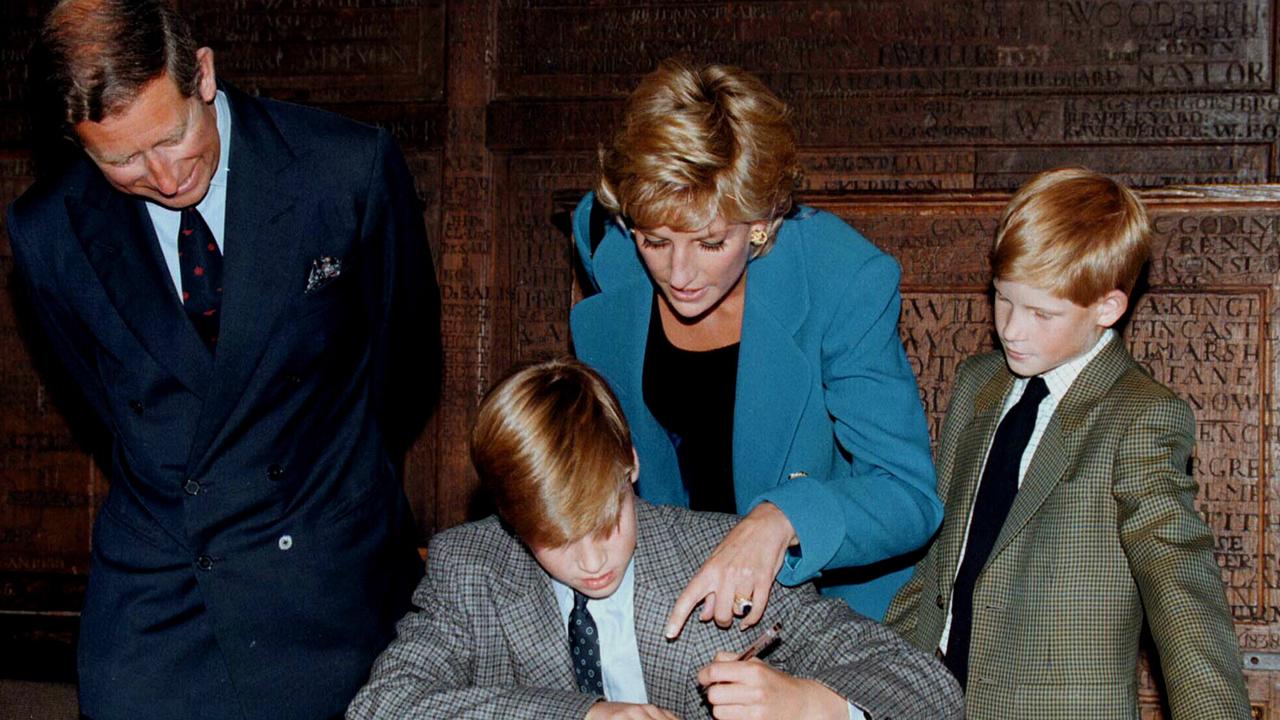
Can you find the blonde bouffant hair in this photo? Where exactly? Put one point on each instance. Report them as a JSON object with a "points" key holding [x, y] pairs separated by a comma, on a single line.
{"points": [[553, 450], [1074, 233], [697, 141]]}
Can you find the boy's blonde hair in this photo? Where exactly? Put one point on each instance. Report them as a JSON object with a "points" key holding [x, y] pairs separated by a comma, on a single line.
{"points": [[697, 141], [554, 452], [1074, 233]]}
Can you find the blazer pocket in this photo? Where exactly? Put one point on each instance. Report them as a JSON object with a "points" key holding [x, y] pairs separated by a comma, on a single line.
{"points": [[323, 299]]}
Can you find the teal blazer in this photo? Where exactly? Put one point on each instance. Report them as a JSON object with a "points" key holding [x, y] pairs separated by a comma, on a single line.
{"points": [[827, 424]]}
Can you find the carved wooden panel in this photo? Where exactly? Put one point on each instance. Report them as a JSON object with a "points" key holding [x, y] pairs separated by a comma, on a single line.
{"points": [[915, 118]]}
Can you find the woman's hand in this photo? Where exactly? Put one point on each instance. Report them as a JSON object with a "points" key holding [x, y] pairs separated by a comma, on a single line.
{"points": [[742, 566], [754, 690]]}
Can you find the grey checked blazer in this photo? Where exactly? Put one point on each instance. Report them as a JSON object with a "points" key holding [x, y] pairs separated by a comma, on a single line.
{"points": [[488, 640], [1103, 533]]}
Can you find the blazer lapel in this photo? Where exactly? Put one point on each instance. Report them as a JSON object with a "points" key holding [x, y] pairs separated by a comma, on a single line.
{"points": [[660, 577], [262, 272], [1056, 452], [120, 243], [525, 591], [771, 388], [970, 456], [622, 335]]}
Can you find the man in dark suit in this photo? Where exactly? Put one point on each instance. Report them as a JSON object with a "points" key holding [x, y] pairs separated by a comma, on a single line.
{"points": [[242, 291], [558, 609]]}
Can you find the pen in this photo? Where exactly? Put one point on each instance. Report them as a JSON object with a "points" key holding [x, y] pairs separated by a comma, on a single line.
{"points": [[765, 639]]}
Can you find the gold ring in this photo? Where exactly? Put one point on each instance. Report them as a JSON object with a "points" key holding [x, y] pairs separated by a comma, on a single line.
{"points": [[741, 605]]}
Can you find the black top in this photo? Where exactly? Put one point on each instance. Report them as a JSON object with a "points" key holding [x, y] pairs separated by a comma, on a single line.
{"points": [[690, 393]]}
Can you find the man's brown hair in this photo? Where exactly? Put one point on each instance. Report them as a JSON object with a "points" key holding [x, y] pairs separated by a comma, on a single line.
{"points": [[1074, 233], [554, 452], [95, 56]]}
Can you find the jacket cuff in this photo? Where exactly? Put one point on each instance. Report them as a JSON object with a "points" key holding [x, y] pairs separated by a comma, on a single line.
{"points": [[820, 532]]}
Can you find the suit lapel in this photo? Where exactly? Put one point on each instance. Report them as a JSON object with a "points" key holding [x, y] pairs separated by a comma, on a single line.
{"points": [[660, 577], [1056, 451], [524, 591], [262, 272], [970, 455], [120, 243], [771, 388]]}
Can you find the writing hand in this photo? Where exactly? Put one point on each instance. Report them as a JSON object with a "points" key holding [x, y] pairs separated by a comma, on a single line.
{"points": [[753, 690], [744, 565]]}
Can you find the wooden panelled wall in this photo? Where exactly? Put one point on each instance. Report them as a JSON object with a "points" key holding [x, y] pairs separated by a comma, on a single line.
{"points": [[916, 118]]}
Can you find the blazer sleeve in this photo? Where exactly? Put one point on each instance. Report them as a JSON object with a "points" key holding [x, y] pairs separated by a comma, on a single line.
{"points": [[1169, 549], [861, 660], [58, 322], [887, 504], [429, 670], [409, 338]]}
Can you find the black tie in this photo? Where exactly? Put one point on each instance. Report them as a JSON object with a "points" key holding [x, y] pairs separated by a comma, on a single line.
{"points": [[996, 492], [200, 265], [584, 647]]}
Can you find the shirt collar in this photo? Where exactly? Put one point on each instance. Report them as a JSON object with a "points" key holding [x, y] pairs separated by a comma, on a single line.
{"points": [[621, 598], [222, 114], [1059, 379]]}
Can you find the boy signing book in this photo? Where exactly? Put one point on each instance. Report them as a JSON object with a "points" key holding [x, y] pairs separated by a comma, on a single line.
{"points": [[1070, 516], [558, 609]]}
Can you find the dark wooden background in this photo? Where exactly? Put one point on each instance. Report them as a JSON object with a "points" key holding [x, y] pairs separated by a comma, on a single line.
{"points": [[916, 118]]}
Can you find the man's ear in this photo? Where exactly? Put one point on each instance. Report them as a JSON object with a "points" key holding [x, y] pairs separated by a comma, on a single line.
{"points": [[1111, 307], [206, 80]]}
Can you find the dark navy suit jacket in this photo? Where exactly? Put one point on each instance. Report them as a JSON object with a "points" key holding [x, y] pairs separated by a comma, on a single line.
{"points": [[256, 546]]}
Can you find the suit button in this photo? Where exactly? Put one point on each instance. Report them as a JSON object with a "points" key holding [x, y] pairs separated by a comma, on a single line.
{"points": [[293, 379], [285, 542], [191, 487], [939, 602], [204, 562], [274, 471], [135, 406]]}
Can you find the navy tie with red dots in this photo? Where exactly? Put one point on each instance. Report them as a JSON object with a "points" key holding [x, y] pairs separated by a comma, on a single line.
{"points": [[200, 265], [584, 647]]}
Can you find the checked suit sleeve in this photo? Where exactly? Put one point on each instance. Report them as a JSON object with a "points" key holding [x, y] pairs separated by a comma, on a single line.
{"points": [[1169, 549], [859, 659], [429, 671]]}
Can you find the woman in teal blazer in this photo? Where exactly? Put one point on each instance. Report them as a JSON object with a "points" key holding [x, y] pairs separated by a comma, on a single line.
{"points": [[830, 460]]}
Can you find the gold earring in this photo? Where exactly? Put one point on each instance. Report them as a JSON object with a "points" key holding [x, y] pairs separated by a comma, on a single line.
{"points": [[758, 236]]}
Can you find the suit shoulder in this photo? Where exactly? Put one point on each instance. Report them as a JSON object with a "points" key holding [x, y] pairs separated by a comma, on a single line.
{"points": [[1135, 393], [472, 549], [47, 195], [323, 134], [826, 241], [696, 533]]}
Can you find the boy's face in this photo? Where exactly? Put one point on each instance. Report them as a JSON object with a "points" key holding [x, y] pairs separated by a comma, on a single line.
{"points": [[1040, 331], [594, 565]]}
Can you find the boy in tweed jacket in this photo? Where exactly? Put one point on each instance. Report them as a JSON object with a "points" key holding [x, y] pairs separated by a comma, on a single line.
{"points": [[491, 640], [1036, 588]]}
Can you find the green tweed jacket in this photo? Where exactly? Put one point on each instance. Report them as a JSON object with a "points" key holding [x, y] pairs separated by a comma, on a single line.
{"points": [[1102, 531]]}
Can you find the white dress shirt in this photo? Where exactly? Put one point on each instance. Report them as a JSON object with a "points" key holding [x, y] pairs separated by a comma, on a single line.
{"points": [[213, 208], [1059, 381]]}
